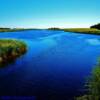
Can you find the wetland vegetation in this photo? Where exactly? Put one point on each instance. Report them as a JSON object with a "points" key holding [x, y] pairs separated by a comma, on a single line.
{"points": [[11, 49], [83, 30], [93, 85]]}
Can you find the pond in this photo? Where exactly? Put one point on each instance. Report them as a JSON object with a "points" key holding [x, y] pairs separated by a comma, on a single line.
{"points": [[55, 67]]}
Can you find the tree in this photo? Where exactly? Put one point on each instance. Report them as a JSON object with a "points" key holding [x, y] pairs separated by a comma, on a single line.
{"points": [[97, 26]]}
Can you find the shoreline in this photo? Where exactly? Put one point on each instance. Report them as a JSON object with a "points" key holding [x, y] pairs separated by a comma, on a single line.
{"points": [[16, 29], [91, 31]]}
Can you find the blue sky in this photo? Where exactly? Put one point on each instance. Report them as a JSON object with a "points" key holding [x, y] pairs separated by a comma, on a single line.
{"points": [[49, 13]]}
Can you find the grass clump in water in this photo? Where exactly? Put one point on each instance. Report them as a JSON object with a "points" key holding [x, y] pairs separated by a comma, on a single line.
{"points": [[10, 50]]}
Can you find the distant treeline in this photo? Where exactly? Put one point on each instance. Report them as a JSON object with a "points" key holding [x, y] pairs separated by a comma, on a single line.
{"points": [[54, 28], [15, 29], [95, 29], [9, 29], [4, 28], [97, 26]]}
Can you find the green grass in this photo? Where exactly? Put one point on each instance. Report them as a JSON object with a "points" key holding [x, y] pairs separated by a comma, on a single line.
{"points": [[93, 85], [83, 30], [10, 50], [79, 30]]}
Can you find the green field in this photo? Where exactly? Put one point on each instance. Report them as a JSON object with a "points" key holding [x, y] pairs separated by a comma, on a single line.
{"points": [[83, 30]]}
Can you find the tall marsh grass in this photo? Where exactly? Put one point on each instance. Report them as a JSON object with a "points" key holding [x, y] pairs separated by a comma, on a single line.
{"points": [[10, 50], [93, 85]]}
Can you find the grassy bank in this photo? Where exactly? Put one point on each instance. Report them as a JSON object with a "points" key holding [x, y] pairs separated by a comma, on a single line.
{"points": [[10, 50], [83, 30], [75, 30], [79, 30], [10, 30], [93, 86]]}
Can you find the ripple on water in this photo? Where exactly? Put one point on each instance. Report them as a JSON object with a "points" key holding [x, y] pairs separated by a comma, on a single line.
{"points": [[93, 41]]}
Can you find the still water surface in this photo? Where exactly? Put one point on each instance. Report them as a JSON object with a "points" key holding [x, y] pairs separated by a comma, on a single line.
{"points": [[55, 66]]}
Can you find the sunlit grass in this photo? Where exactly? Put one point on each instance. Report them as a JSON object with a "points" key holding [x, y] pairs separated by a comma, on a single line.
{"points": [[10, 50], [83, 30]]}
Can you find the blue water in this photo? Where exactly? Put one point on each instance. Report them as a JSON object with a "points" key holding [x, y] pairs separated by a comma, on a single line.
{"points": [[55, 66]]}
